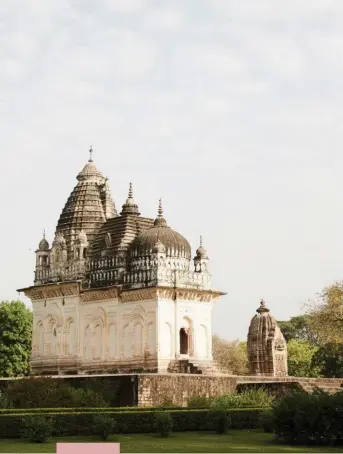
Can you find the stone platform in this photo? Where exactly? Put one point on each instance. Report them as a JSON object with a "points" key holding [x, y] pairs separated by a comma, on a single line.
{"points": [[149, 390]]}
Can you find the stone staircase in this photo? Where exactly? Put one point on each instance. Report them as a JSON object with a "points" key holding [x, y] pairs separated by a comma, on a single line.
{"points": [[185, 366], [327, 386]]}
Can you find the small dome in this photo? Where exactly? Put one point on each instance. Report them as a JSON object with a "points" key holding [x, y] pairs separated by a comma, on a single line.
{"points": [[201, 251], [174, 244], [44, 245], [130, 206]]}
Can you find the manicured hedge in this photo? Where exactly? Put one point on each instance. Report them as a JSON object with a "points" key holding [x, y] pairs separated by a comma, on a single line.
{"points": [[81, 423], [87, 409]]}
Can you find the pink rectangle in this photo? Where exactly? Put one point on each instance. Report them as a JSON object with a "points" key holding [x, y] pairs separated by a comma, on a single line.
{"points": [[88, 448]]}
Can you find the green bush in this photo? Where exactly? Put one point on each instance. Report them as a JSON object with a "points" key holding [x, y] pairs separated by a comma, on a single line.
{"points": [[302, 418], [45, 392], [104, 426], [199, 402], [133, 421], [221, 421], [267, 421], [164, 424], [37, 429], [249, 398], [5, 402]]}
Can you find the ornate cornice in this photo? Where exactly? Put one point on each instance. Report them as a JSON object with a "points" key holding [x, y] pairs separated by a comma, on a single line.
{"points": [[89, 296], [155, 293], [43, 292], [146, 294]]}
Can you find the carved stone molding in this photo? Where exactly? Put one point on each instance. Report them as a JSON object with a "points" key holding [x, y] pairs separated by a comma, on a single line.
{"points": [[170, 294], [139, 295], [37, 293], [99, 295]]}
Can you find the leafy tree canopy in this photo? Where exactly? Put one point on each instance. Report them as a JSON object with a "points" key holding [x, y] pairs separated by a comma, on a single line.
{"points": [[299, 328], [231, 356], [300, 357], [15, 338]]}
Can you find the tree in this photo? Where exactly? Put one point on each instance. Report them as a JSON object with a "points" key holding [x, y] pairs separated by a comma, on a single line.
{"points": [[300, 356], [231, 356], [299, 328], [326, 314], [15, 338], [329, 359]]}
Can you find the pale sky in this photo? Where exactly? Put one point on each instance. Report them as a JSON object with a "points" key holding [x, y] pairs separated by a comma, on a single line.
{"points": [[230, 110]]}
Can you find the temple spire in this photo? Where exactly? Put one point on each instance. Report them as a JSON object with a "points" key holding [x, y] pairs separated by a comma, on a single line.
{"points": [[263, 307], [160, 209], [130, 207], [90, 154], [160, 221]]}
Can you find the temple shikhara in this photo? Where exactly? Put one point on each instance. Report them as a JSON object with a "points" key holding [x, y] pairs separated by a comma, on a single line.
{"points": [[119, 292], [267, 349]]}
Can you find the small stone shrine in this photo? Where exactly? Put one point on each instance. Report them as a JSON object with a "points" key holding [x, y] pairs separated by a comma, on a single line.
{"points": [[267, 350]]}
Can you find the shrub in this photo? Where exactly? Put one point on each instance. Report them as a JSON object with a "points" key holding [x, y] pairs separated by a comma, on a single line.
{"points": [[199, 402], [37, 429], [70, 423], [249, 398], [5, 402], [221, 421], [267, 421], [164, 424], [46, 392], [103, 426], [303, 418]]}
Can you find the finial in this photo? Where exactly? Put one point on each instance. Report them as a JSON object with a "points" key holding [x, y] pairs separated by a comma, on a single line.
{"points": [[200, 240], [263, 307], [130, 191], [90, 154], [44, 234], [160, 209]]}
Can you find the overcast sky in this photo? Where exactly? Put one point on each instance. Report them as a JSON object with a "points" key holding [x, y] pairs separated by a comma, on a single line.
{"points": [[230, 110]]}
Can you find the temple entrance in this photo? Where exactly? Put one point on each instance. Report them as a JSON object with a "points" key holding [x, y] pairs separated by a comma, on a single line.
{"points": [[184, 342]]}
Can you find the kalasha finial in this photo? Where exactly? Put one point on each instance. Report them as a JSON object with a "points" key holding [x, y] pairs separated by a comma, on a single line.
{"points": [[263, 307], [90, 154], [200, 240], [44, 234], [130, 191], [160, 209]]}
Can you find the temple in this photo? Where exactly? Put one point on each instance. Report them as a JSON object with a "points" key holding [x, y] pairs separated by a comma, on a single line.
{"points": [[118, 292], [267, 350]]}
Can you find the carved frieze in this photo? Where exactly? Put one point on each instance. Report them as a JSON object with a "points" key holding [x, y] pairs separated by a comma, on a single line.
{"points": [[51, 291], [99, 295], [170, 294]]}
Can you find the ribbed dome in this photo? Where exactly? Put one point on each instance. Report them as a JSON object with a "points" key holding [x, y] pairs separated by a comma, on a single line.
{"points": [[43, 245], [175, 244], [201, 251]]}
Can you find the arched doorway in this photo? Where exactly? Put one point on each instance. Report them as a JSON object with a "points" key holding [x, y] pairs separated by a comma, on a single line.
{"points": [[184, 341]]}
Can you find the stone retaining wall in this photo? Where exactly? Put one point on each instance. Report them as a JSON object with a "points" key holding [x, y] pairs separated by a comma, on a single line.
{"points": [[154, 389]]}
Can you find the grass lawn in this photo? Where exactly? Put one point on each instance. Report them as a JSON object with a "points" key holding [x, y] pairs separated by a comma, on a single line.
{"points": [[235, 441]]}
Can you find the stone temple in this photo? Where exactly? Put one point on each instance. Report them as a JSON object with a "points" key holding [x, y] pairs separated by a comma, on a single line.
{"points": [[267, 349], [118, 292]]}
